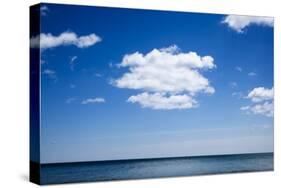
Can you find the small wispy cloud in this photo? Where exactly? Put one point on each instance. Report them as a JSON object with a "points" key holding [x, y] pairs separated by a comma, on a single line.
{"points": [[44, 10], [111, 65], [72, 86], [48, 40], [233, 85], [238, 94], [239, 69], [50, 73], [42, 62], [70, 100], [98, 75], [252, 74], [93, 100], [72, 62]]}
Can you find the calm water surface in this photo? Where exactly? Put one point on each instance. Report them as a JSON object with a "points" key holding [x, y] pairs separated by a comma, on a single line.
{"points": [[153, 168]]}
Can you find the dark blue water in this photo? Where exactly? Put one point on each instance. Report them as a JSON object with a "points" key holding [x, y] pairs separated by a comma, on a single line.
{"points": [[153, 168]]}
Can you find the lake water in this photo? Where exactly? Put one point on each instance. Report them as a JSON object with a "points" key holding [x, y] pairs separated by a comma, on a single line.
{"points": [[153, 168]]}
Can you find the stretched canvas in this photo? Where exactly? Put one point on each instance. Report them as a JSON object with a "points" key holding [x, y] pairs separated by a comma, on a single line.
{"points": [[118, 94]]}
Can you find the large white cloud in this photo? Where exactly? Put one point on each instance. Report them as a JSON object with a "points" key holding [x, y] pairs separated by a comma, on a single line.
{"points": [[239, 23], [263, 102], [169, 78], [45, 41]]}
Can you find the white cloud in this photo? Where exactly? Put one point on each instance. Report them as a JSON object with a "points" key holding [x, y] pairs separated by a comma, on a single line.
{"points": [[166, 74], [93, 100], [45, 41], [252, 74], [162, 101], [265, 109], [263, 102], [260, 94], [50, 73], [239, 23], [238, 69]]}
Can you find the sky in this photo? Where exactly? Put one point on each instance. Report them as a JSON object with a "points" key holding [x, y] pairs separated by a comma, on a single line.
{"points": [[127, 83]]}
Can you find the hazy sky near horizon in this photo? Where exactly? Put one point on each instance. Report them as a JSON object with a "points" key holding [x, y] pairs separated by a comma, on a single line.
{"points": [[125, 83]]}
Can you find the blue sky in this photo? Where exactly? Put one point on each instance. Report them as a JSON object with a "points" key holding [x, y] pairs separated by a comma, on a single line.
{"points": [[124, 83]]}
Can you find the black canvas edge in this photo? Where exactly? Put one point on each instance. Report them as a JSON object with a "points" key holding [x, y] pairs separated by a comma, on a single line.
{"points": [[34, 97]]}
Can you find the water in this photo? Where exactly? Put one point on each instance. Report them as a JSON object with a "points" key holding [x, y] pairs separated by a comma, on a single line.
{"points": [[153, 168]]}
